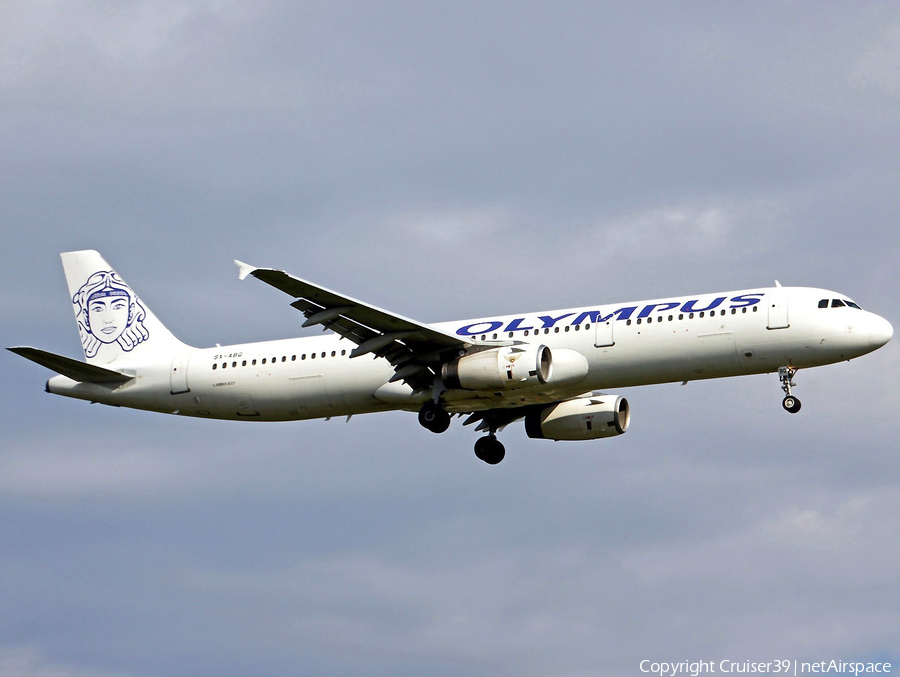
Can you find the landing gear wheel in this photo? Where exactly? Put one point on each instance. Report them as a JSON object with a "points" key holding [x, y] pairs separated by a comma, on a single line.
{"points": [[786, 376], [433, 418], [791, 404], [490, 450]]}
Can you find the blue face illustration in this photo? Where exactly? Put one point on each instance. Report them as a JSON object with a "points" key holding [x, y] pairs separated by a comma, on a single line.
{"points": [[108, 317], [109, 313]]}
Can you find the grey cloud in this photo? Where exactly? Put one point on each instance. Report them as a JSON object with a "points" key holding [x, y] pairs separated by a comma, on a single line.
{"points": [[446, 162]]}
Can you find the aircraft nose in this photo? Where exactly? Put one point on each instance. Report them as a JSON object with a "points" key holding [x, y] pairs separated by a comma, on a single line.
{"points": [[880, 332]]}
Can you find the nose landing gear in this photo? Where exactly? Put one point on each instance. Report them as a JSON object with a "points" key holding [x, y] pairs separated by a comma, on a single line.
{"points": [[786, 376]]}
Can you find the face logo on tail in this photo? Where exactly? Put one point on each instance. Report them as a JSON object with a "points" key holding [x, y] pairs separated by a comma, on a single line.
{"points": [[108, 312]]}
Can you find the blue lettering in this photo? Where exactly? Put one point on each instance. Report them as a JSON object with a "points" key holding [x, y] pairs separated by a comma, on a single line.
{"points": [[745, 300], [663, 307], [514, 325], [469, 329], [688, 307], [550, 321], [592, 314], [623, 314]]}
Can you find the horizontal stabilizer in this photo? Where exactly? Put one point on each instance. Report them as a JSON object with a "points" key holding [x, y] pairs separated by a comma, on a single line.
{"points": [[74, 369]]}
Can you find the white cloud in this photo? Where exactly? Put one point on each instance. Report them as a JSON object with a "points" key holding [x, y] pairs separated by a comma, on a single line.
{"points": [[30, 661], [700, 228], [835, 529]]}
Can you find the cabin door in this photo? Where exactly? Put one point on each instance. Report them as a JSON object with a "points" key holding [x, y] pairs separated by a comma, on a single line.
{"points": [[778, 308], [603, 337], [179, 374]]}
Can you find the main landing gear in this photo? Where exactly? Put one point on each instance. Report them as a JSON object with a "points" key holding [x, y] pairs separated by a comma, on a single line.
{"points": [[786, 376], [433, 418], [488, 448]]}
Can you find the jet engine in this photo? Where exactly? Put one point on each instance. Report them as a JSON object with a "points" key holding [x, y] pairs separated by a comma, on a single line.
{"points": [[503, 368], [584, 418]]}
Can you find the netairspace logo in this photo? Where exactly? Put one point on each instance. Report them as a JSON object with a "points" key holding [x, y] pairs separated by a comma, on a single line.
{"points": [[785, 667]]}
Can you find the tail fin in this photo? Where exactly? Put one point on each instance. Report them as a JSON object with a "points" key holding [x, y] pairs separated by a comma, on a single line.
{"points": [[112, 321]]}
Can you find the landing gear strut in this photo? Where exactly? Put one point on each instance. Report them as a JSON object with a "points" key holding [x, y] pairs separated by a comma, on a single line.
{"points": [[786, 376], [489, 449], [433, 418]]}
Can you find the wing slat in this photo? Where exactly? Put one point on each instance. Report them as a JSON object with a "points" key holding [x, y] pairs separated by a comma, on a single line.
{"points": [[404, 342]]}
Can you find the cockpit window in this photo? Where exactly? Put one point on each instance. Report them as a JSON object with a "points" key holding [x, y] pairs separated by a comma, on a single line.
{"points": [[838, 303]]}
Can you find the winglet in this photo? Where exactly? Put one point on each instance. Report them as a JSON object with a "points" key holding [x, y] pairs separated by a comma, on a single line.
{"points": [[244, 269]]}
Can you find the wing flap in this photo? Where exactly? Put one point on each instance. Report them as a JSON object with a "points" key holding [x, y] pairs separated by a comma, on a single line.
{"points": [[74, 369], [313, 299], [402, 341]]}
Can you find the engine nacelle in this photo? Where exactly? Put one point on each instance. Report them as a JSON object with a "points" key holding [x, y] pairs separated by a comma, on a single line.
{"points": [[584, 418], [500, 368]]}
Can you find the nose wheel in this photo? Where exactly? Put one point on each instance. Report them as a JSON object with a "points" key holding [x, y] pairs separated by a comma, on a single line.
{"points": [[786, 376]]}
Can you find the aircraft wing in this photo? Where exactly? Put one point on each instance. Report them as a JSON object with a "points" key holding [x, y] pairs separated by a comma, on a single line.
{"points": [[413, 348], [74, 369]]}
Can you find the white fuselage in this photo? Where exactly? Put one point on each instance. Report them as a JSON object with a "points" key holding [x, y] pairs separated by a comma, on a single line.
{"points": [[664, 340]]}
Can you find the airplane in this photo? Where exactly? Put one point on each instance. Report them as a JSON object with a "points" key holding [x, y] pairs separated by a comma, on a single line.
{"points": [[549, 369]]}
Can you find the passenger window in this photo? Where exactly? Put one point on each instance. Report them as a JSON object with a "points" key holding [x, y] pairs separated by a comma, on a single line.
{"points": [[628, 323], [323, 354], [755, 309], [303, 356], [639, 320], [670, 318], [837, 303], [215, 366], [254, 363], [567, 327], [343, 352], [244, 363], [234, 364], [743, 310], [333, 353], [680, 316], [733, 311], [284, 358], [293, 358], [312, 356], [495, 337], [691, 316], [555, 330], [823, 303], [587, 326], [526, 332], [701, 313]]}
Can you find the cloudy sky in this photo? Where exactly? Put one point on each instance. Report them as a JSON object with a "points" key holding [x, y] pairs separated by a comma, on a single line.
{"points": [[447, 161]]}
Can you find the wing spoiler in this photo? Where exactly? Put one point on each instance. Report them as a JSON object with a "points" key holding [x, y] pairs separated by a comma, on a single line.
{"points": [[74, 369], [414, 349]]}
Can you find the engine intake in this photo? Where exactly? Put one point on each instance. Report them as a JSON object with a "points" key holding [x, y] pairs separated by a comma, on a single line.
{"points": [[584, 418], [500, 368]]}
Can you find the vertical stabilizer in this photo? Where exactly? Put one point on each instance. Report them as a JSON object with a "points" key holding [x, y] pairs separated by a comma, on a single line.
{"points": [[112, 321]]}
